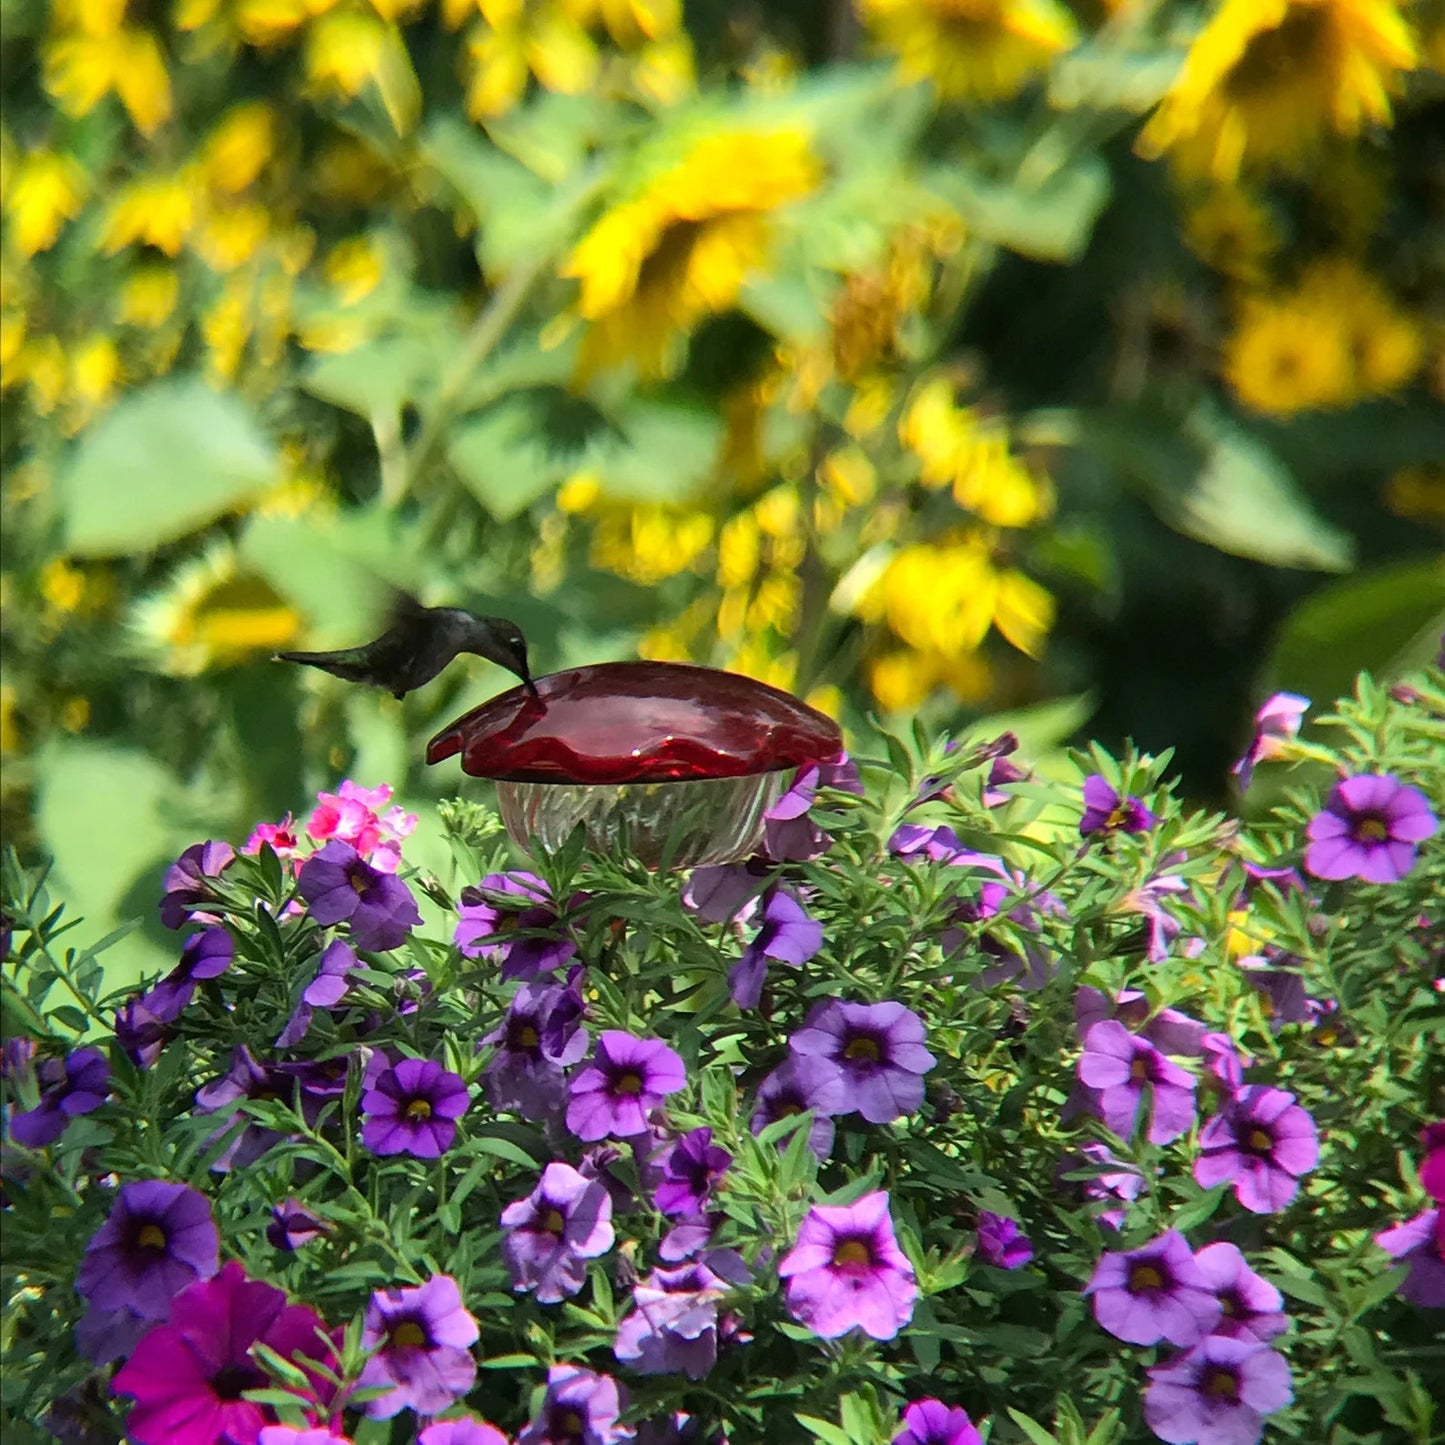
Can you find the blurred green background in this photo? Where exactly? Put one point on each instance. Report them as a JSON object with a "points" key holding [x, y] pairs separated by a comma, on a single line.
{"points": [[1076, 368]]}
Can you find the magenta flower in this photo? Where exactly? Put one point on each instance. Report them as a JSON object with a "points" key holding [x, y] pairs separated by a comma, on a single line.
{"points": [[279, 837], [627, 1078], [1217, 1393], [1368, 830], [786, 933], [564, 1221], [1153, 1293], [1001, 1242], [1432, 1167], [421, 1338], [802, 1082], [674, 1327], [579, 1408], [1262, 1141], [339, 886], [1253, 1307], [540, 1035], [1277, 720], [846, 1271], [353, 815], [187, 1376], [931, 1422], [878, 1049], [1118, 1066], [411, 1107], [511, 919], [692, 1167], [1420, 1244], [461, 1432], [187, 884], [1106, 810], [77, 1084]]}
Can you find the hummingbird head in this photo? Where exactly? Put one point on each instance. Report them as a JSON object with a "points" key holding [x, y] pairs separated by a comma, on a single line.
{"points": [[502, 642]]}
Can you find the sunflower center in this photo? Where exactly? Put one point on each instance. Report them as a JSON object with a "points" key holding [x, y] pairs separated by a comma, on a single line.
{"points": [[151, 1236], [527, 1037], [419, 1109], [866, 1049], [1371, 830], [1260, 1141], [1275, 57], [1222, 1384], [1145, 1276], [408, 1335], [629, 1083], [667, 262], [853, 1253], [552, 1222]]}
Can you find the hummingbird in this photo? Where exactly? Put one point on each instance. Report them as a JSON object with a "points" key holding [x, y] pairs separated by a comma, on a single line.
{"points": [[418, 643]]}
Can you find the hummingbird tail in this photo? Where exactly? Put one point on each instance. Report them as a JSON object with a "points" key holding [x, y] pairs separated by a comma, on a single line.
{"points": [[337, 666]]}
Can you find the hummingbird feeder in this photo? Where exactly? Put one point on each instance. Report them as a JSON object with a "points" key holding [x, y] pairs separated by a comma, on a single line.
{"points": [[675, 762]]}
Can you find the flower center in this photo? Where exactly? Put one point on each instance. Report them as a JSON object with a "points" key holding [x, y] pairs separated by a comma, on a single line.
{"points": [[231, 1381], [853, 1253], [866, 1049], [419, 1109], [527, 1037], [151, 1236], [786, 1111], [553, 1222], [571, 1423], [666, 264], [629, 1083], [1279, 56], [358, 882], [408, 1335], [1221, 1384], [1145, 1277], [1371, 830], [1260, 1141], [1139, 1069], [1118, 815]]}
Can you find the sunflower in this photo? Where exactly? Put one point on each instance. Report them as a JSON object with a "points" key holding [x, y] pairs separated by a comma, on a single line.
{"points": [[1268, 80], [1231, 230], [1384, 343], [971, 49], [656, 265], [1287, 356]]}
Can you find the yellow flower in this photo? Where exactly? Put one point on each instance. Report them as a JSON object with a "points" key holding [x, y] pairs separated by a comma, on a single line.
{"points": [[1418, 493], [1268, 80], [229, 238], [94, 373], [62, 585], [347, 49], [41, 364], [156, 211], [971, 49], [239, 147], [47, 191], [354, 267], [148, 296], [81, 69], [655, 265], [1284, 357], [521, 39], [12, 338], [9, 732], [1385, 345], [226, 327], [213, 614], [1233, 231], [901, 681], [141, 80], [349, 171], [649, 541], [664, 72], [269, 22], [739, 550]]}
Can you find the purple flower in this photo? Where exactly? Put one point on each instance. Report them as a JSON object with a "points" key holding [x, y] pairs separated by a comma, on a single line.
{"points": [[206, 954], [1285, 998], [74, 1085], [186, 886], [326, 990], [1217, 1393], [692, 1166], [1156, 1292], [565, 1220], [579, 1408], [157, 1239], [1119, 1066], [1225, 1062], [1420, 1243], [339, 886], [187, 1376], [1001, 772], [846, 1271], [540, 1035], [627, 1078], [719, 893], [461, 1432], [877, 1048], [511, 919], [1368, 830], [411, 1107], [679, 1428], [1253, 1307], [1001, 1242], [1161, 928], [674, 1325], [1262, 1141], [798, 1084], [789, 834], [302, 1435], [1106, 810], [246, 1079], [140, 1032], [785, 933], [293, 1225], [1278, 718], [990, 898], [421, 1339], [938, 843], [1170, 1031], [1112, 1179], [931, 1422]]}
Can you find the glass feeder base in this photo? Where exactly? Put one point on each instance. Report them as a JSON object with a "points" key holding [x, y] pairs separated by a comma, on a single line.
{"points": [[669, 824]]}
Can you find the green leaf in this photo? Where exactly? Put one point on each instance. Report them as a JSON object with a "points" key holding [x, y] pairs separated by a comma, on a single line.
{"points": [[375, 378], [167, 460], [825, 1430], [502, 461], [665, 452], [1031, 1427]]}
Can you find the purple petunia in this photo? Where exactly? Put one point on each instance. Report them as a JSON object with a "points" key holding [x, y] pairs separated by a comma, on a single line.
{"points": [[1153, 1293], [461, 1432], [247, 1078], [931, 1422], [1420, 1244], [802, 1082], [690, 1170], [421, 1340], [789, 833], [1217, 1393], [1277, 720], [540, 1035], [411, 1107], [673, 1328], [579, 1408], [845, 1271], [1112, 1179], [1253, 1307], [339, 886], [187, 1376], [1119, 1066], [1285, 999], [878, 1050], [1368, 829], [997, 897], [1001, 1242], [140, 1032], [206, 954], [293, 1225], [627, 1078], [785, 933], [511, 919], [187, 882], [1261, 1141], [77, 1084], [302, 1435], [564, 1221], [326, 990], [723, 891], [1106, 810]]}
